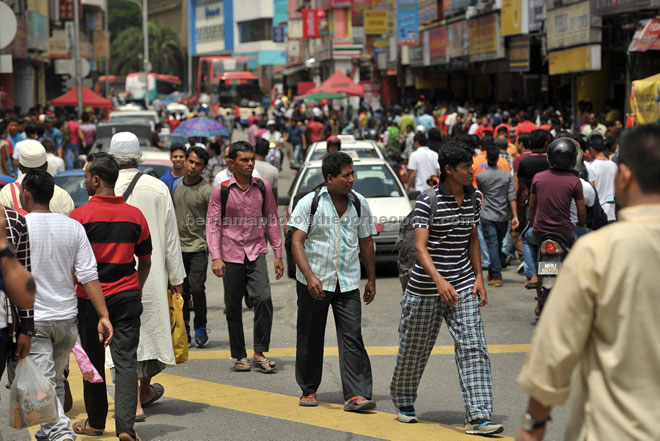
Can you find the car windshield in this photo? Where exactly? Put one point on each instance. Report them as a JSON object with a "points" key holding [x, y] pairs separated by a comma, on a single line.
{"points": [[371, 181], [75, 186], [132, 119], [362, 152]]}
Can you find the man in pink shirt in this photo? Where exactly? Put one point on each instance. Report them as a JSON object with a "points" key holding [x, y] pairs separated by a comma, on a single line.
{"points": [[240, 211], [253, 130]]}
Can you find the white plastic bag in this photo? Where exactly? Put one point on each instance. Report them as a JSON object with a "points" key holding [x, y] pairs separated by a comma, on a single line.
{"points": [[32, 399]]}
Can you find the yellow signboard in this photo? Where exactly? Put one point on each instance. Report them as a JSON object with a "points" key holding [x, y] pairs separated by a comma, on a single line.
{"points": [[375, 21], [514, 17], [577, 59], [483, 37], [644, 100]]}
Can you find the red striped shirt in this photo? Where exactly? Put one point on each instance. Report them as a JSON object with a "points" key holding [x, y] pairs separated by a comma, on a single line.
{"points": [[117, 232]]}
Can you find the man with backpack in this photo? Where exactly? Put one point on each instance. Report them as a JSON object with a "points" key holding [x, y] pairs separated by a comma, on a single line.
{"points": [[330, 225], [240, 211], [446, 282], [190, 195]]}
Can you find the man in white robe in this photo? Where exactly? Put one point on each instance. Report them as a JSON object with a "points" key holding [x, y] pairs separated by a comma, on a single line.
{"points": [[152, 197]]}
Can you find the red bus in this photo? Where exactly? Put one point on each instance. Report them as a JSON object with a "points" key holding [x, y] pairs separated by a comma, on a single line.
{"points": [[211, 68]]}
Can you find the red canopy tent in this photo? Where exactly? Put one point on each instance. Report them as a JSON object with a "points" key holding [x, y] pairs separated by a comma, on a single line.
{"points": [[89, 99], [339, 82]]}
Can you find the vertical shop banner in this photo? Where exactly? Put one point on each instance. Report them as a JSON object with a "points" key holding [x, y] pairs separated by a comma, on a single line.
{"points": [[407, 22], [485, 40], [457, 40], [438, 45], [310, 18], [278, 34], [375, 22], [66, 10], [428, 11], [515, 20], [519, 54]]}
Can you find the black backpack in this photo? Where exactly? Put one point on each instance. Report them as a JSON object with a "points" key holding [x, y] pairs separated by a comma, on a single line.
{"points": [[405, 244], [596, 216], [224, 196], [315, 203]]}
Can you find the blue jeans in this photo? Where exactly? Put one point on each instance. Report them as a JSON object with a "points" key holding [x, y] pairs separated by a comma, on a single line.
{"points": [[297, 153], [485, 259], [494, 233], [507, 244], [581, 231], [72, 153]]}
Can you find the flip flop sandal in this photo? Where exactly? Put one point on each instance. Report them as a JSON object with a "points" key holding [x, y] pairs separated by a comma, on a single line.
{"points": [[159, 390], [313, 403], [265, 366], [242, 362], [352, 405], [82, 428]]}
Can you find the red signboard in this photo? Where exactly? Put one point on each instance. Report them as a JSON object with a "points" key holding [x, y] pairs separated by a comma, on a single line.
{"points": [[66, 10], [310, 20], [438, 43]]}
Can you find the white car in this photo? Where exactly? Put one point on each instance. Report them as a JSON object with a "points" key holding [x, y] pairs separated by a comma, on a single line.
{"points": [[364, 149], [377, 182], [138, 117]]}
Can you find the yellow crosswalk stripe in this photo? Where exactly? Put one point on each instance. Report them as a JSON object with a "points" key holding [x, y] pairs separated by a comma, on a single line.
{"points": [[371, 350], [284, 407]]}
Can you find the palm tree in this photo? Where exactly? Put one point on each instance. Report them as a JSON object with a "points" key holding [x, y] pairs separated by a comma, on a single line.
{"points": [[165, 54]]}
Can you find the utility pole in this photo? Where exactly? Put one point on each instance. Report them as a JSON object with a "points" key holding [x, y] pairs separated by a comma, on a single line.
{"points": [[76, 49], [147, 64], [107, 60]]}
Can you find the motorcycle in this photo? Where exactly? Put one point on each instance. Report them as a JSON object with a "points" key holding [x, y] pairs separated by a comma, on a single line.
{"points": [[553, 249]]}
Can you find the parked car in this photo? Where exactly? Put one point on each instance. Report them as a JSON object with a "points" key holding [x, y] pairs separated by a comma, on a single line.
{"points": [[104, 133], [363, 149], [377, 182], [149, 117]]}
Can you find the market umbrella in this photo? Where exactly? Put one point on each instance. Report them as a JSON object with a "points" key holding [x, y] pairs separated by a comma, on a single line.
{"points": [[89, 99], [201, 127], [339, 82], [323, 96]]}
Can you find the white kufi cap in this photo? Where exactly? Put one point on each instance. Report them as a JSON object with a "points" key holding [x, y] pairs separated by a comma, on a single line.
{"points": [[124, 144], [31, 154]]}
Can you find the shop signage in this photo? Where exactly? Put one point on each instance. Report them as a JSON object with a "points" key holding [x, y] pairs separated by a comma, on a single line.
{"points": [[519, 54], [375, 21], [36, 31], [485, 41], [101, 45], [57, 44], [407, 24], [515, 18], [577, 59], [428, 11], [607, 7], [571, 26], [310, 19], [438, 45], [647, 36], [457, 39]]}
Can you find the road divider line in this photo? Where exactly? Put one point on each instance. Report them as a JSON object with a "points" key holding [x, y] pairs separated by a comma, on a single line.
{"points": [[327, 415], [204, 354]]}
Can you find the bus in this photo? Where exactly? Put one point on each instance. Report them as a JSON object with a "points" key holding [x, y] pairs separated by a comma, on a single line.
{"points": [[116, 83], [229, 82], [159, 85]]}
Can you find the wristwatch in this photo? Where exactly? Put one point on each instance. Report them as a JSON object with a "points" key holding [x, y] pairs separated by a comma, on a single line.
{"points": [[529, 423], [9, 251]]}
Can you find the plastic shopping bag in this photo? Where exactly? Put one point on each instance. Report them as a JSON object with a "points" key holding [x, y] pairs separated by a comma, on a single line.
{"points": [[178, 327], [89, 372], [32, 399]]}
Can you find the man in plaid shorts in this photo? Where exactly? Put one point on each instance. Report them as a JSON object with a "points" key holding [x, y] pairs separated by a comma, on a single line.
{"points": [[447, 282]]}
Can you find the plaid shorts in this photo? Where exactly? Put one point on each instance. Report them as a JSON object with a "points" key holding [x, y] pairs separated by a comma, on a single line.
{"points": [[421, 318]]}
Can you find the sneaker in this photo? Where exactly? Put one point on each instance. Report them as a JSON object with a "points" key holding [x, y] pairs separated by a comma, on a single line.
{"points": [[483, 427], [496, 283], [406, 414], [201, 337]]}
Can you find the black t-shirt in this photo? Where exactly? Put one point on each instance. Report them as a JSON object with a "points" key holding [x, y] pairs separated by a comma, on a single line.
{"points": [[531, 165]]}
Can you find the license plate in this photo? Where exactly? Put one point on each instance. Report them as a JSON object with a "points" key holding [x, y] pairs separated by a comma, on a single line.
{"points": [[549, 268]]}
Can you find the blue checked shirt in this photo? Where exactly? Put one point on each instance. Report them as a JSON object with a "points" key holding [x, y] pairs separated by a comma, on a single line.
{"points": [[332, 244]]}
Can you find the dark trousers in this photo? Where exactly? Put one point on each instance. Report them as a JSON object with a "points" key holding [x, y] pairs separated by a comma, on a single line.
{"points": [[194, 287], [124, 309], [6, 348], [253, 277], [354, 365], [494, 233]]}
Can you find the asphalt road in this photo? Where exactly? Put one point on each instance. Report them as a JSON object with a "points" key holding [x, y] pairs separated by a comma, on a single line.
{"points": [[205, 400]]}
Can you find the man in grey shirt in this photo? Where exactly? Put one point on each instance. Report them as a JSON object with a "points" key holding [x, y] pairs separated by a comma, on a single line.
{"points": [[499, 206]]}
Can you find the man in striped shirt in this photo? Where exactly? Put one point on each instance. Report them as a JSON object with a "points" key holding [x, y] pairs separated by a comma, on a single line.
{"points": [[447, 282], [117, 232], [325, 247]]}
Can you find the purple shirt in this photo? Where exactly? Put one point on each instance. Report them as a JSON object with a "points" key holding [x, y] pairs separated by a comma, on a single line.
{"points": [[242, 232], [253, 130], [554, 192]]}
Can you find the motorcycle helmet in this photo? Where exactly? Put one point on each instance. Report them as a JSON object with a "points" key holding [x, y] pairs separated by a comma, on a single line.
{"points": [[420, 129], [333, 141], [562, 154]]}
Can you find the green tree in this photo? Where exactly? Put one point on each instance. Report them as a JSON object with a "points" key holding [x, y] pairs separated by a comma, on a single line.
{"points": [[123, 14], [165, 54]]}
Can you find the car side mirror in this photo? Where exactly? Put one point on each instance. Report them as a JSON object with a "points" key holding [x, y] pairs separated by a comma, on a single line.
{"points": [[284, 200], [412, 195]]}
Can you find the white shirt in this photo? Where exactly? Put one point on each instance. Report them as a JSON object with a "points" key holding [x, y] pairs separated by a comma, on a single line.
{"points": [[58, 244], [589, 199], [226, 175], [425, 162], [60, 203], [268, 171], [277, 136], [602, 173], [56, 164]]}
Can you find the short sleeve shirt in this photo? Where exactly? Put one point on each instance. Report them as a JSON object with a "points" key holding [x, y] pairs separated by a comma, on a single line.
{"points": [[555, 190], [449, 239]]}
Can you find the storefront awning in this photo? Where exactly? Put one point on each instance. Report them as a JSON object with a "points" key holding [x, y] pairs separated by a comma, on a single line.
{"points": [[647, 36]]}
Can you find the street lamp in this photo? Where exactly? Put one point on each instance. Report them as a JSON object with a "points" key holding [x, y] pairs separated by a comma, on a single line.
{"points": [[147, 65]]}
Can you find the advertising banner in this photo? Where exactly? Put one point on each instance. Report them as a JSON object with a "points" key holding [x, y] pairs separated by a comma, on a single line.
{"points": [[438, 45], [485, 41], [406, 23], [515, 18], [375, 21], [571, 26], [428, 11], [36, 31], [519, 54], [577, 59], [645, 100], [457, 39], [311, 23], [647, 36]]}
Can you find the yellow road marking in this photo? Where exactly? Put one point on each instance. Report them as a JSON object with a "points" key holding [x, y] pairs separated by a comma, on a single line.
{"points": [[372, 350], [329, 416], [78, 411]]}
